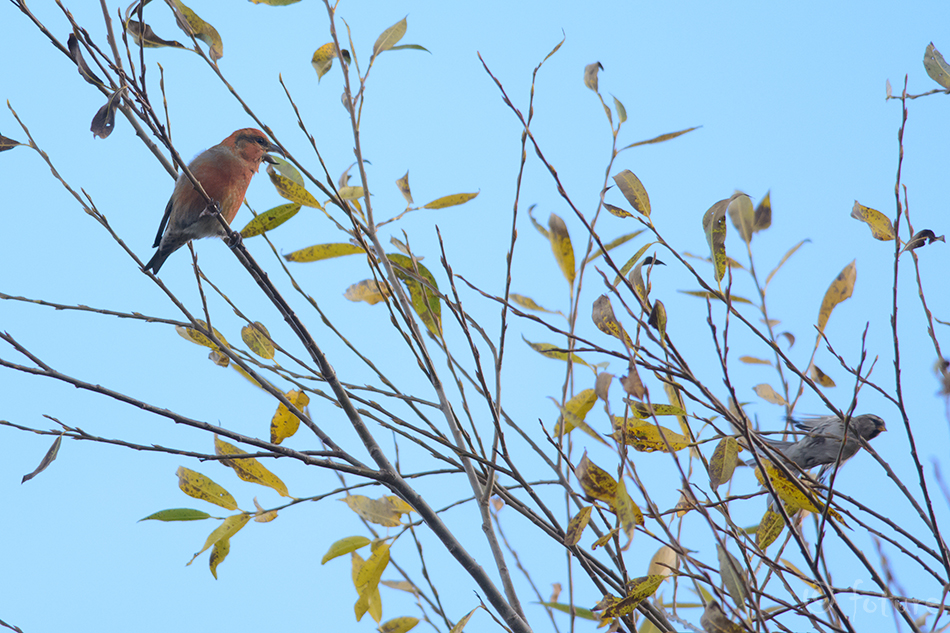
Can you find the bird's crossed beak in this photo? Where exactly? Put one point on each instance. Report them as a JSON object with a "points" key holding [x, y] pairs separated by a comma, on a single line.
{"points": [[267, 158]]}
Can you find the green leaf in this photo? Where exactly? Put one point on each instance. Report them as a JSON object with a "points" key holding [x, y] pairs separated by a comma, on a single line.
{"points": [[388, 38], [424, 301], [936, 66], [177, 514], [320, 252], [270, 219]]}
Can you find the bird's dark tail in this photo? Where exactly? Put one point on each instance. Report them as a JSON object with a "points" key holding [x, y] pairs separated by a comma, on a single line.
{"points": [[158, 259]]}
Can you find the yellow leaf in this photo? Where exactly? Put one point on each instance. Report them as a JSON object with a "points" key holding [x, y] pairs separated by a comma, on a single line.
{"points": [[228, 528], [562, 247], [554, 351], [664, 562], [641, 289], [743, 217], [218, 553], [398, 625], [270, 219], [323, 251], [712, 295], [450, 201], [839, 290], [262, 516], [350, 193], [596, 482], [790, 252], [246, 375], [617, 211], [191, 24], [763, 214], [248, 469], [291, 190], [401, 585], [460, 625], [662, 137], [603, 540], [751, 360], [634, 191], [658, 321], [614, 243], [789, 493], [723, 461], [644, 410], [195, 336], [378, 511], [322, 60], [367, 578], [640, 589], [627, 510], [820, 377], [368, 290], [770, 527], [880, 224], [344, 546], [198, 486], [284, 423], [733, 575], [646, 438], [528, 303], [575, 411], [403, 184], [621, 111], [257, 339], [606, 322], [714, 226], [768, 394], [576, 526], [397, 504], [676, 402]]}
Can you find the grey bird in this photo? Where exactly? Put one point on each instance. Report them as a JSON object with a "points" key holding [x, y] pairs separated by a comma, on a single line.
{"points": [[822, 440]]}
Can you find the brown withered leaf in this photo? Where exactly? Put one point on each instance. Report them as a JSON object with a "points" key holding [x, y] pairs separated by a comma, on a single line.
{"points": [[922, 238], [144, 36], [631, 382], [47, 459], [104, 121], [590, 75], [8, 143], [76, 53]]}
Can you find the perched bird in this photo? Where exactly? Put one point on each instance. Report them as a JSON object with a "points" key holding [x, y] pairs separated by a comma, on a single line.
{"points": [[822, 442], [224, 172]]}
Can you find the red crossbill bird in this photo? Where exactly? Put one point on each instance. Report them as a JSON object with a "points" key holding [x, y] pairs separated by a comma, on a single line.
{"points": [[224, 172]]}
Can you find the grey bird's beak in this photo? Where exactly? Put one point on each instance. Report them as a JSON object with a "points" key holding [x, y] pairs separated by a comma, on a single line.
{"points": [[276, 150]]}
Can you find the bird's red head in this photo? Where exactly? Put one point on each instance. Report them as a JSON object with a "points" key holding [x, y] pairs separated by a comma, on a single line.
{"points": [[252, 145]]}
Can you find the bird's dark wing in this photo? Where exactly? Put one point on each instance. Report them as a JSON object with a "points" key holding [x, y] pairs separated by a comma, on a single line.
{"points": [[161, 227]]}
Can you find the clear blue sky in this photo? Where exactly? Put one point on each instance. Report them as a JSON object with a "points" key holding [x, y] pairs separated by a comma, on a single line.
{"points": [[790, 97]]}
